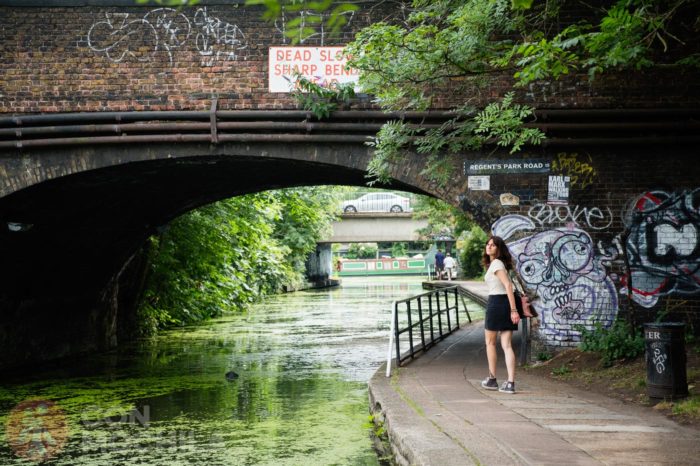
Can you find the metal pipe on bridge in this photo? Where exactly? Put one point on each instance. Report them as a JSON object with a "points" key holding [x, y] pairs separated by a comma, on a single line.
{"points": [[156, 138], [646, 126], [319, 126], [548, 114]]}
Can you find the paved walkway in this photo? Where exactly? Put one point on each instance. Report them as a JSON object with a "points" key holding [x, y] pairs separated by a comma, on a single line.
{"points": [[436, 413]]}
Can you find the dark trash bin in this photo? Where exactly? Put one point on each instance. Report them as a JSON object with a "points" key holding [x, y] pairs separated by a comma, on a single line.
{"points": [[665, 356]]}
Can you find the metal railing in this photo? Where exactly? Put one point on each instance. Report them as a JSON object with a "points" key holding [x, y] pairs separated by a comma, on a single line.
{"points": [[429, 318]]}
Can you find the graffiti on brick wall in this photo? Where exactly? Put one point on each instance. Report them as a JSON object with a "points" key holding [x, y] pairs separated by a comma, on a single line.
{"points": [[217, 40], [120, 37], [303, 20], [593, 218], [561, 266], [578, 168], [662, 247]]}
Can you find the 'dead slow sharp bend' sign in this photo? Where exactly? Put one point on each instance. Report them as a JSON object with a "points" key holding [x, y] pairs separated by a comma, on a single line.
{"points": [[324, 66]]}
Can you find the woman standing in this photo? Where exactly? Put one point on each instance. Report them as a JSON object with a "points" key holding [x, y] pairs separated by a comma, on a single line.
{"points": [[501, 313]]}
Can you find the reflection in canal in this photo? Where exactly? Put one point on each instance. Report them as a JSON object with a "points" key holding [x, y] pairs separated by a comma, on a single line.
{"points": [[302, 362]]}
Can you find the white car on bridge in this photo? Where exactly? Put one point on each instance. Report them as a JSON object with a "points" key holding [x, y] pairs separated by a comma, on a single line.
{"points": [[378, 202]]}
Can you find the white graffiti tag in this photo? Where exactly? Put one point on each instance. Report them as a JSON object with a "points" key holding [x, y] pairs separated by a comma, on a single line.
{"points": [[121, 37], [558, 215], [217, 40], [659, 360], [173, 28]]}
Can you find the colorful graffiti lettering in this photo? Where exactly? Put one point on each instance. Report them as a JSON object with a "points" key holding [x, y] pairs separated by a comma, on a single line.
{"points": [[662, 246], [562, 267]]}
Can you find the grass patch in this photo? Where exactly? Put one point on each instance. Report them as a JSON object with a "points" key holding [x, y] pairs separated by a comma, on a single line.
{"points": [[689, 407], [624, 379]]}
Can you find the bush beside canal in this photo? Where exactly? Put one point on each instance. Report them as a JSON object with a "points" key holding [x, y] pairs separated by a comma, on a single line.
{"points": [[224, 256]]}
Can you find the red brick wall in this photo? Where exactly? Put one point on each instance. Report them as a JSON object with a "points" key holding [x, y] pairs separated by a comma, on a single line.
{"points": [[137, 58], [627, 243], [98, 59]]}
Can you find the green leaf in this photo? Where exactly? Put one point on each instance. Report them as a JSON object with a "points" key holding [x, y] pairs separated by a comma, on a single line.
{"points": [[521, 4], [319, 6]]}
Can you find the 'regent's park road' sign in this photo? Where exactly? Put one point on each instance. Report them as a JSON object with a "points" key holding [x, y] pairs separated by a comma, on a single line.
{"points": [[496, 166]]}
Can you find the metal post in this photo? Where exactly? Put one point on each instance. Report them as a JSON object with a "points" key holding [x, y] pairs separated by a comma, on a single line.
{"points": [[456, 307], [391, 338], [430, 309], [410, 327], [396, 335], [466, 309], [447, 311], [523, 340], [437, 303], [420, 319]]}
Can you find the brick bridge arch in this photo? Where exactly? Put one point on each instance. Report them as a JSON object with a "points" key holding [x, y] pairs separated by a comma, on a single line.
{"points": [[76, 211], [87, 203], [70, 236], [83, 180]]}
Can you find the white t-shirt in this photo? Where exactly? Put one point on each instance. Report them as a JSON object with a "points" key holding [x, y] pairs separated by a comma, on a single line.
{"points": [[492, 281], [449, 262]]}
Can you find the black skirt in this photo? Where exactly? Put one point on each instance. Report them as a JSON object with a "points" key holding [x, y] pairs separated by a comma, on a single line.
{"points": [[498, 313]]}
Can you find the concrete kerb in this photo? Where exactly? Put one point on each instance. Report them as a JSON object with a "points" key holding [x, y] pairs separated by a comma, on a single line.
{"points": [[423, 430]]}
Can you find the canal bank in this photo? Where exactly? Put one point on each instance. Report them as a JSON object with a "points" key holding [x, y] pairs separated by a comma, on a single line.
{"points": [[297, 391], [435, 412], [313, 285]]}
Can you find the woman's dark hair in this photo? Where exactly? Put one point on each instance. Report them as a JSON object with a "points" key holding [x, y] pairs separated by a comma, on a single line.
{"points": [[503, 253]]}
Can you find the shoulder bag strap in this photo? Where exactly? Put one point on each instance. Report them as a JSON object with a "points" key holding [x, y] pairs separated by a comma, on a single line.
{"points": [[517, 283], [520, 284]]}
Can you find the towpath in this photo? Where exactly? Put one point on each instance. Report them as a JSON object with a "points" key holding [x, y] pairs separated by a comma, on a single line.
{"points": [[436, 413]]}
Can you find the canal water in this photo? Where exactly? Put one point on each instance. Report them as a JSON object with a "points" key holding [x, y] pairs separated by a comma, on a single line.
{"points": [[283, 384]]}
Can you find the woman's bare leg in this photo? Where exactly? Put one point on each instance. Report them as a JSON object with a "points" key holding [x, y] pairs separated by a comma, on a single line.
{"points": [[491, 353], [506, 344]]}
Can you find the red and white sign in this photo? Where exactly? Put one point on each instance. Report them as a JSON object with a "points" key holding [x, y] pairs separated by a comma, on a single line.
{"points": [[324, 66]]}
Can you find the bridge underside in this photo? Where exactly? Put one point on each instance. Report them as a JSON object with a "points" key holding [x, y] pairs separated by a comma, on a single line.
{"points": [[74, 237], [376, 227], [75, 212]]}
